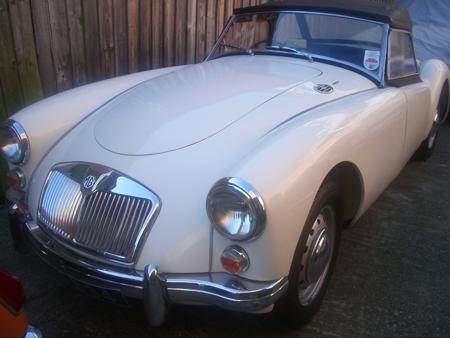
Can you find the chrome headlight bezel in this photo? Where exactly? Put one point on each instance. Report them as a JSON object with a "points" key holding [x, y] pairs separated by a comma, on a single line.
{"points": [[20, 152], [237, 190]]}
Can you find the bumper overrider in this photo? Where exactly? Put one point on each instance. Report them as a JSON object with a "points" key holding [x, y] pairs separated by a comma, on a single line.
{"points": [[156, 289]]}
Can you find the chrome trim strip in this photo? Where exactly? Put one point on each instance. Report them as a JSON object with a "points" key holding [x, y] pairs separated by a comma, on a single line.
{"points": [[221, 36], [309, 110], [384, 53]]}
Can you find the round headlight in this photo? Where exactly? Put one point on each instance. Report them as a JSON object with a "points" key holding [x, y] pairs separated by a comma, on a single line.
{"points": [[236, 209], [14, 144]]}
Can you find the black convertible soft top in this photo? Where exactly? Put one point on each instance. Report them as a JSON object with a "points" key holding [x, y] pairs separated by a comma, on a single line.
{"points": [[387, 11]]}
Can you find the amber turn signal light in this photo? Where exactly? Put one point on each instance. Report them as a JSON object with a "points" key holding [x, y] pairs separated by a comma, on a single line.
{"points": [[16, 179], [235, 260]]}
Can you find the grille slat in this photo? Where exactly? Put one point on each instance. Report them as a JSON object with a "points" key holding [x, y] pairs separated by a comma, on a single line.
{"points": [[104, 222], [131, 218], [100, 240], [127, 220], [121, 227]]}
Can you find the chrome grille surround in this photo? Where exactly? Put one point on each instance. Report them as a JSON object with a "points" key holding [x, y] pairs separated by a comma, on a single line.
{"points": [[97, 212]]}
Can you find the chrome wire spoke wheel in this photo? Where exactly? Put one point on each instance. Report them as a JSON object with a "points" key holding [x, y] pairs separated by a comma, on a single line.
{"points": [[317, 257]]}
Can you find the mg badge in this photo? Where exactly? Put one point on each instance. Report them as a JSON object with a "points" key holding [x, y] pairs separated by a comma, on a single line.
{"points": [[89, 181], [324, 89]]}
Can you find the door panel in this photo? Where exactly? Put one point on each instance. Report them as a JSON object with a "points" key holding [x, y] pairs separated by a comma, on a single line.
{"points": [[418, 103]]}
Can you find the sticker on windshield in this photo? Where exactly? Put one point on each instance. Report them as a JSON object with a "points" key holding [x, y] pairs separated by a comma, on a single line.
{"points": [[372, 59]]}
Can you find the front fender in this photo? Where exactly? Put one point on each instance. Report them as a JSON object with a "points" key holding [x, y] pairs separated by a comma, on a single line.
{"points": [[47, 121], [290, 164]]}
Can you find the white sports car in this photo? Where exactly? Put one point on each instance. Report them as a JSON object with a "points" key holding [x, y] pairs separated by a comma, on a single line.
{"points": [[228, 182]]}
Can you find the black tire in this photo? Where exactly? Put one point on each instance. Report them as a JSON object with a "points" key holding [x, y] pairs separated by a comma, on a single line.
{"points": [[426, 149], [289, 310]]}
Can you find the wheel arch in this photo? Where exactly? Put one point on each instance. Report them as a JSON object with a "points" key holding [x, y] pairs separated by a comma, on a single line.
{"points": [[350, 183]]}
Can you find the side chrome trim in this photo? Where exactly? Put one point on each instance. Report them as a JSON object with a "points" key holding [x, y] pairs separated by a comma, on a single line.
{"points": [[309, 110]]}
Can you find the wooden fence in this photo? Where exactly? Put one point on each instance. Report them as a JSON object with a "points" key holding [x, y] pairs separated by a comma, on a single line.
{"points": [[48, 46]]}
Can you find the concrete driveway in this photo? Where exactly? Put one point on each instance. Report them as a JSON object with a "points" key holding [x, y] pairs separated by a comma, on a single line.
{"points": [[392, 277]]}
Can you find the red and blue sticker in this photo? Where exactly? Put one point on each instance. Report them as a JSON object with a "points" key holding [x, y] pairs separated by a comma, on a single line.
{"points": [[372, 59]]}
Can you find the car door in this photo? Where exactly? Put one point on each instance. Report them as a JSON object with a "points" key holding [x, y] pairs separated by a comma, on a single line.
{"points": [[403, 73]]}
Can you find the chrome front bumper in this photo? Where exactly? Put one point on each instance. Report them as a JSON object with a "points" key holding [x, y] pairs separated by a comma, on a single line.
{"points": [[157, 290]]}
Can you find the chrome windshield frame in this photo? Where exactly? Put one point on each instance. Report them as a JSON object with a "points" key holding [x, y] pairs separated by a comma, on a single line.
{"points": [[379, 79]]}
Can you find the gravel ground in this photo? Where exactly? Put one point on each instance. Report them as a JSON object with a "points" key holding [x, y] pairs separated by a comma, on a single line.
{"points": [[392, 277]]}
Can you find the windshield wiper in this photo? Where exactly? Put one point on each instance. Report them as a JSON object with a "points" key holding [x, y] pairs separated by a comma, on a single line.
{"points": [[291, 50], [244, 50]]}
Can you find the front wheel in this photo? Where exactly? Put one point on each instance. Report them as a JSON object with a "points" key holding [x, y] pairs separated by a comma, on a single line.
{"points": [[314, 260]]}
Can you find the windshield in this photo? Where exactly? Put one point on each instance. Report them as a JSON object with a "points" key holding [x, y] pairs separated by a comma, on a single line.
{"points": [[313, 36]]}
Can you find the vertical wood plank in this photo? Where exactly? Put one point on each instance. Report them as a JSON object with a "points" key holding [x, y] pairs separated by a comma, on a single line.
{"points": [[60, 44], [91, 38], [201, 31], [229, 6], [133, 35], [145, 31], [191, 31], [220, 17], [120, 36], [180, 34], [9, 75], [75, 17], [157, 33], [169, 32], [106, 32], [42, 34], [22, 28], [210, 25]]}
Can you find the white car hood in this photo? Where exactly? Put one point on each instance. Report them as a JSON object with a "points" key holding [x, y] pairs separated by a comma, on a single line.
{"points": [[190, 105]]}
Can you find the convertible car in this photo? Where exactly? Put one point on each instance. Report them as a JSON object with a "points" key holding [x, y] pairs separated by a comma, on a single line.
{"points": [[228, 183]]}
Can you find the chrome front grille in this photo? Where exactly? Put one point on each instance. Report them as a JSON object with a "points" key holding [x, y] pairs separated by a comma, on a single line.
{"points": [[97, 211]]}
